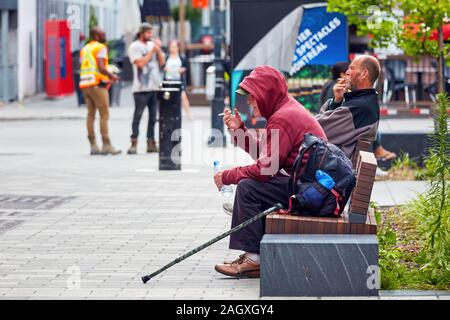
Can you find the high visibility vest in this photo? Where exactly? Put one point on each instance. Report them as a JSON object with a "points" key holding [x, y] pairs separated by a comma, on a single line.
{"points": [[90, 76]]}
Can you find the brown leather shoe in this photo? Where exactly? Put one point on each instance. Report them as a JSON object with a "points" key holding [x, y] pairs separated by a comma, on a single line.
{"points": [[383, 154], [151, 146], [243, 267], [133, 148], [95, 150]]}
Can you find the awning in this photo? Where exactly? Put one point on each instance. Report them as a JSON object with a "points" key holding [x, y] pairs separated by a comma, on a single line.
{"points": [[156, 8], [131, 17]]}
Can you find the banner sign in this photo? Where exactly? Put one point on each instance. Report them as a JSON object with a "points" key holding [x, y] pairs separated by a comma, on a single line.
{"points": [[200, 4], [322, 39]]}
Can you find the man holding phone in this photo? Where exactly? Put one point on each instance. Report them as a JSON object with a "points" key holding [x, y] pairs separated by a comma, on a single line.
{"points": [[147, 59]]}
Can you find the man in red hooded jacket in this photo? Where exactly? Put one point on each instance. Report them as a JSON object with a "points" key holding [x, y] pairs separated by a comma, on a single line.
{"points": [[262, 184]]}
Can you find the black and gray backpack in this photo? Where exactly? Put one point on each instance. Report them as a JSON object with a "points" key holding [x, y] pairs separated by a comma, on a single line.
{"points": [[322, 184]]}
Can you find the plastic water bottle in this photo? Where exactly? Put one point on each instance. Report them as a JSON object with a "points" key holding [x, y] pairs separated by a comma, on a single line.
{"points": [[325, 180], [226, 191]]}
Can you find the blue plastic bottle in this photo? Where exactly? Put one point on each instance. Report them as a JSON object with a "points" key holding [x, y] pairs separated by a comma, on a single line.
{"points": [[226, 191]]}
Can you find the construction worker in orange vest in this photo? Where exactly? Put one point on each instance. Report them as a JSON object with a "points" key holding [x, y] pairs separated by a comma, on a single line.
{"points": [[95, 80]]}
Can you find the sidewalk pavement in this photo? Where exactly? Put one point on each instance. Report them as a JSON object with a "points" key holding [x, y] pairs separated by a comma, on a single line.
{"points": [[79, 227], [40, 108], [66, 108]]}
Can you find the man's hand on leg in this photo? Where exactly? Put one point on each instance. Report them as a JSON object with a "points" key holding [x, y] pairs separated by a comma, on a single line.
{"points": [[218, 180]]}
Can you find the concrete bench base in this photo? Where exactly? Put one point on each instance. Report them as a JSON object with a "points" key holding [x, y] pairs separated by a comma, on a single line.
{"points": [[319, 265]]}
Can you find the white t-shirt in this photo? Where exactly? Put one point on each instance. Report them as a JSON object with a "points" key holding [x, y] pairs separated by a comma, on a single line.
{"points": [[102, 54], [173, 64], [149, 77]]}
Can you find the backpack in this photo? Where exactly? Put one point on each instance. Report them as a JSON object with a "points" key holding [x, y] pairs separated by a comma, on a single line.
{"points": [[322, 186]]}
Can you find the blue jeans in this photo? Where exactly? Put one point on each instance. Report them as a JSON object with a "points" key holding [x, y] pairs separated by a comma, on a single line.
{"points": [[141, 101]]}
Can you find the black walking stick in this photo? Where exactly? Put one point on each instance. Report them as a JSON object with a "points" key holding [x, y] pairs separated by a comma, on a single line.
{"points": [[276, 207]]}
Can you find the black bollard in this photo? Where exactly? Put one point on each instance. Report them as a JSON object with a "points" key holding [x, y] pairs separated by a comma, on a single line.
{"points": [[169, 98]]}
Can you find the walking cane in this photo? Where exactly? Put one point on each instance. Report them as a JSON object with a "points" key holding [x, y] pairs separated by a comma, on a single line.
{"points": [[276, 207]]}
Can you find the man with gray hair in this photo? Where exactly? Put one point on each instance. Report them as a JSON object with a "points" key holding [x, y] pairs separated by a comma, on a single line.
{"points": [[354, 112]]}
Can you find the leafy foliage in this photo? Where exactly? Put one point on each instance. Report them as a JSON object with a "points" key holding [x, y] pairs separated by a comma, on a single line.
{"points": [[415, 239], [401, 255], [433, 207], [192, 14], [412, 25], [409, 24], [93, 21], [404, 161], [405, 168]]}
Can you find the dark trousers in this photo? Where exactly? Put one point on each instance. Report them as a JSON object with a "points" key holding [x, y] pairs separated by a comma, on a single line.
{"points": [[253, 197], [142, 100], [377, 142]]}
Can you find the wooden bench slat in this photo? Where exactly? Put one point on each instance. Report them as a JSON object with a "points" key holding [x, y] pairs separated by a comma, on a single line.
{"points": [[289, 226], [361, 145], [368, 158], [315, 225], [359, 210], [363, 191], [364, 185], [269, 223], [360, 204], [340, 228], [361, 197], [281, 226], [274, 228], [367, 179]]}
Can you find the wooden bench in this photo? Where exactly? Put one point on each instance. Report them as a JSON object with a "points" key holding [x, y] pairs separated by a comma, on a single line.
{"points": [[361, 145], [318, 256], [357, 220]]}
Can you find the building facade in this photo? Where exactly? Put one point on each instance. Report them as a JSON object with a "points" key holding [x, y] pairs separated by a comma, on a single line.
{"points": [[22, 37], [8, 49]]}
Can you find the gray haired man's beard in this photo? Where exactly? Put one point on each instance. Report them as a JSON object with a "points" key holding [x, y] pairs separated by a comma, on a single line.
{"points": [[351, 86]]}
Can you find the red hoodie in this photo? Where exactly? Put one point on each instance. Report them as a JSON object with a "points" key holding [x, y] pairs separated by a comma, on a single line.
{"points": [[284, 114]]}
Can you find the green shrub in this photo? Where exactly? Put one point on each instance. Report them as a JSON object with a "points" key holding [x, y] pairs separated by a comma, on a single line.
{"points": [[193, 15], [401, 254], [404, 162], [432, 208]]}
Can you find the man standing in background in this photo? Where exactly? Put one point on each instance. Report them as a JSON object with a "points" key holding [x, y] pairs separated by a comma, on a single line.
{"points": [[95, 80], [147, 58]]}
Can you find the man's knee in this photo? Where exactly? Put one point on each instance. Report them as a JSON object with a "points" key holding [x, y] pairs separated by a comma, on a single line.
{"points": [[138, 112], [91, 115], [91, 112], [245, 186], [104, 115]]}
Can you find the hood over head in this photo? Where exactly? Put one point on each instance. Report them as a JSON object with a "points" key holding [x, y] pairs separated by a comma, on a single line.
{"points": [[269, 88]]}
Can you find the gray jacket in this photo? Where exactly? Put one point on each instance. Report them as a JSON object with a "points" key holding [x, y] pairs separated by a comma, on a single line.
{"points": [[355, 118]]}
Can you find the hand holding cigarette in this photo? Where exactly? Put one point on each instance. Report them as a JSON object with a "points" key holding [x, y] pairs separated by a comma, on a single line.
{"points": [[232, 122]]}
